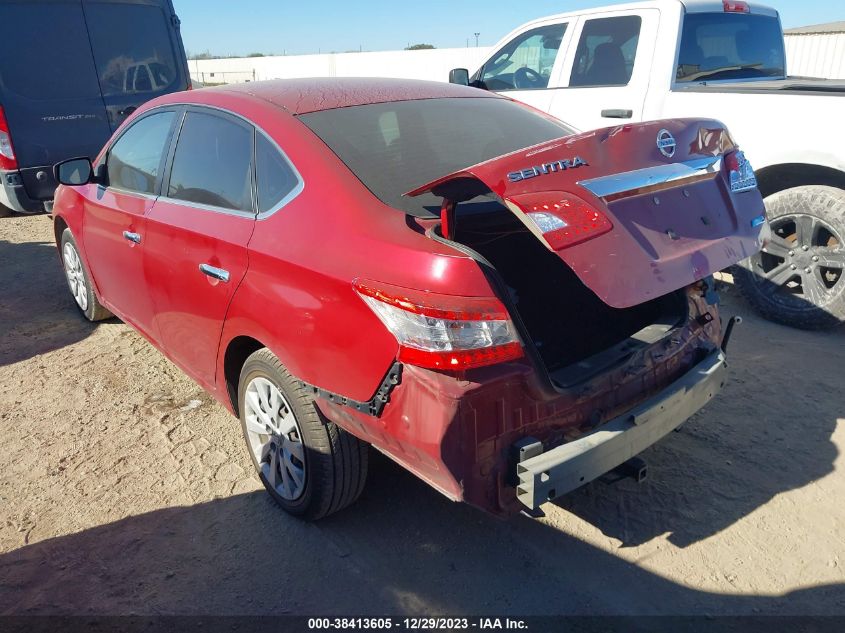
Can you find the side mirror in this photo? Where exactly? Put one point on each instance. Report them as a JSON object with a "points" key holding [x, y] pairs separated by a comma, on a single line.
{"points": [[74, 172], [459, 76]]}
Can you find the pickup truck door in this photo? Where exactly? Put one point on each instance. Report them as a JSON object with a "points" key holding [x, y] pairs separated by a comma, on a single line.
{"points": [[528, 67], [605, 74]]}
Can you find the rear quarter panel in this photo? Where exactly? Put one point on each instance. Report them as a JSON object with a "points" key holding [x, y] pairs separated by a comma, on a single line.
{"points": [[297, 297]]}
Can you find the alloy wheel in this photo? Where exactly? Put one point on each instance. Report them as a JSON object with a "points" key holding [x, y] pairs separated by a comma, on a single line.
{"points": [[805, 260]]}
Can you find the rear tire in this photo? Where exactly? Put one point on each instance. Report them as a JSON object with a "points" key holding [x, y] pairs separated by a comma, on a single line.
{"points": [[79, 281], [800, 279], [325, 468], [5, 211]]}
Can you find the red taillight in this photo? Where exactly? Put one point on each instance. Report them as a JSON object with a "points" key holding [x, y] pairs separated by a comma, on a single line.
{"points": [[563, 218], [740, 173], [735, 6], [459, 359], [446, 332], [7, 152]]}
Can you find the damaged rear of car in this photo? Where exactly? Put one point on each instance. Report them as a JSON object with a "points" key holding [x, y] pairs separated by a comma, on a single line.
{"points": [[603, 332]]}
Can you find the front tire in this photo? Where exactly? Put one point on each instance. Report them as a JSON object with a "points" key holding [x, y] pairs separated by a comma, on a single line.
{"points": [[79, 281], [309, 465], [800, 278]]}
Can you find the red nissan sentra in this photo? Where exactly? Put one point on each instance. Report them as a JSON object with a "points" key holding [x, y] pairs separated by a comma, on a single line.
{"points": [[506, 308]]}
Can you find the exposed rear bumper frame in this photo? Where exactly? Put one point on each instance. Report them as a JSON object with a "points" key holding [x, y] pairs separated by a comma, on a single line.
{"points": [[571, 465]]}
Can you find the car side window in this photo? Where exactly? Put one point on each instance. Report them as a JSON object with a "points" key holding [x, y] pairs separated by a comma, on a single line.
{"points": [[606, 51], [275, 178], [526, 62], [134, 160], [212, 164]]}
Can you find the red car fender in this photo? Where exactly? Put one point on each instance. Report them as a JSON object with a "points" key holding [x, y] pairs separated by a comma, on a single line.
{"points": [[69, 200]]}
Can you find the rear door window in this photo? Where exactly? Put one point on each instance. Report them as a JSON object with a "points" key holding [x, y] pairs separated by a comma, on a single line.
{"points": [[212, 164], [45, 52], [275, 178], [606, 52], [526, 62], [134, 161], [128, 41]]}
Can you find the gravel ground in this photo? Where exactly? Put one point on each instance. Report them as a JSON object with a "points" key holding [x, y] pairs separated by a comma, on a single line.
{"points": [[125, 489]]}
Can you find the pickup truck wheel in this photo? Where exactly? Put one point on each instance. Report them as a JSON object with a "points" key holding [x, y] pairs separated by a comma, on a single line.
{"points": [[800, 278], [310, 466], [5, 211], [79, 281]]}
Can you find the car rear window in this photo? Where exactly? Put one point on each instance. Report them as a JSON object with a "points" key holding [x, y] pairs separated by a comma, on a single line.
{"points": [[730, 46], [132, 48], [44, 51], [397, 146]]}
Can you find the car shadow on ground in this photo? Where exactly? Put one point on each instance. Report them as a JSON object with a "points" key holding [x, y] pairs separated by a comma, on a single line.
{"points": [[715, 471], [402, 549], [37, 312]]}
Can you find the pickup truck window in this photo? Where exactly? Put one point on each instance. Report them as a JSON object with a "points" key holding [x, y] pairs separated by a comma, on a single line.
{"points": [[606, 52], [526, 62], [730, 46]]}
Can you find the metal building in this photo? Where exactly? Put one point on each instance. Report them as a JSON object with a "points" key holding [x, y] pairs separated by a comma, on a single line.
{"points": [[816, 51]]}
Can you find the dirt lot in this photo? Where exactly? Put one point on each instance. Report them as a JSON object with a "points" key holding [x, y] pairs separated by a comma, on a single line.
{"points": [[124, 489]]}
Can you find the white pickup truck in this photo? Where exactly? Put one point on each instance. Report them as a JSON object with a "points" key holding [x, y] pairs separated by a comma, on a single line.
{"points": [[699, 58]]}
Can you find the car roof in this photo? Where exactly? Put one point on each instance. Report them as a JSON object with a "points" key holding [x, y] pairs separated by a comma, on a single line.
{"points": [[302, 96]]}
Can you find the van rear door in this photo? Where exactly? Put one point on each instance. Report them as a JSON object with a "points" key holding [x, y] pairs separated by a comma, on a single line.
{"points": [[49, 88], [138, 53]]}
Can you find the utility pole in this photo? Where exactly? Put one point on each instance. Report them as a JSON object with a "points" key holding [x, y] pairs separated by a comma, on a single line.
{"points": [[476, 39], [467, 42]]}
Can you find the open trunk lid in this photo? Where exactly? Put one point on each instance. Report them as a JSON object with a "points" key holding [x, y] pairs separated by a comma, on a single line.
{"points": [[636, 211]]}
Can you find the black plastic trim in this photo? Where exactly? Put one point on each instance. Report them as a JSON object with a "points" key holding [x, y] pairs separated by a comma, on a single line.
{"points": [[375, 405]]}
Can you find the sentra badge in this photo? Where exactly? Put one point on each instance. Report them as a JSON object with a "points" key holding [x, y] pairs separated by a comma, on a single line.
{"points": [[546, 168]]}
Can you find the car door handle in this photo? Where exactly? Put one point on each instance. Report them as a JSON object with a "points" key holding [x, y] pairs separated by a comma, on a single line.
{"points": [[132, 237], [617, 114], [127, 110], [217, 273]]}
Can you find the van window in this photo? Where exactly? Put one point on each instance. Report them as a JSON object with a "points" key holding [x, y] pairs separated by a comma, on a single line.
{"points": [[606, 52], [526, 62], [46, 54], [213, 162], [134, 160], [132, 48], [730, 46]]}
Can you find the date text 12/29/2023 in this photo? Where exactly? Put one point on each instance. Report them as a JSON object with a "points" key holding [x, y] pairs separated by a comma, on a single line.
{"points": [[417, 624]]}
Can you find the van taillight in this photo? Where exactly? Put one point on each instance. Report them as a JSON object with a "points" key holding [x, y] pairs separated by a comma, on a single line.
{"points": [[445, 332], [7, 152]]}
